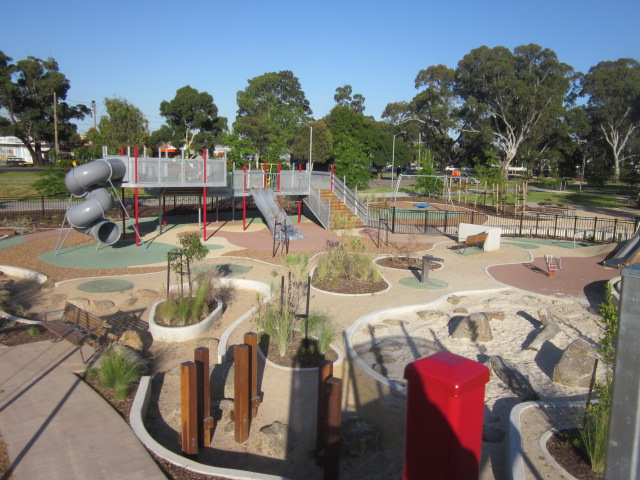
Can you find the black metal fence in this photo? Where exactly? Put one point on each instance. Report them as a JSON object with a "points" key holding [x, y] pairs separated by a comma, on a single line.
{"points": [[531, 224]]}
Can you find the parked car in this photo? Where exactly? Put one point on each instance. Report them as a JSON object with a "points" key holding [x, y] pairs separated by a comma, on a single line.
{"points": [[15, 162]]}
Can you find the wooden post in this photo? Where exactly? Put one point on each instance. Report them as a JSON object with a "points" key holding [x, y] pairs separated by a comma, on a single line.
{"points": [[251, 340], [334, 420], [325, 370], [241, 393], [189, 423], [205, 420]]}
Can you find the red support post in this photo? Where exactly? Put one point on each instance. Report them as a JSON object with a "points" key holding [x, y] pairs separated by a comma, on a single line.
{"points": [[124, 214], [121, 150], [135, 200], [244, 177], [244, 213], [164, 211], [299, 208], [445, 402], [204, 199]]}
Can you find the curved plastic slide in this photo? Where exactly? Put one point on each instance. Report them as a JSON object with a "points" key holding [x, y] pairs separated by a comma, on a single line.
{"points": [[626, 253], [273, 213], [84, 181]]}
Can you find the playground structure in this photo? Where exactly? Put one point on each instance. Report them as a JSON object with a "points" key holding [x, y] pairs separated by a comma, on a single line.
{"points": [[626, 254], [208, 176]]}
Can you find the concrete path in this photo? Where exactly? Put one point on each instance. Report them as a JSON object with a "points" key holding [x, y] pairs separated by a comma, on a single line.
{"points": [[56, 426]]}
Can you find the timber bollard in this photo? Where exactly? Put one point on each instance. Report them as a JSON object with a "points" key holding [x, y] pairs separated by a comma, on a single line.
{"points": [[334, 421], [241, 413], [325, 370], [445, 402], [251, 340], [205, 420], [188, 437]]}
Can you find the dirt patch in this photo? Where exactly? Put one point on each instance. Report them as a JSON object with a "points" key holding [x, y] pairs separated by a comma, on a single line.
{"points": [[562, 448], [19, 333]]}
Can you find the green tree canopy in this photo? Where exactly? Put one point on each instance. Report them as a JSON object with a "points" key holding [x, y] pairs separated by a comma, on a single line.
{"points": [[612, 89], [269, 110], [193, 119], [29, 89], [344, 98], [322, 143], [124, 125], [511, 92]]}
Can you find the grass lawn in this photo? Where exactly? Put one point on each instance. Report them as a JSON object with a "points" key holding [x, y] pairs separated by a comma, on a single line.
{"points": [[18, 184]]}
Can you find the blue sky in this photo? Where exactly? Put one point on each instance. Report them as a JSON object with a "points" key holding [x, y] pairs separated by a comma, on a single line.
{"points": [[144, 51]]}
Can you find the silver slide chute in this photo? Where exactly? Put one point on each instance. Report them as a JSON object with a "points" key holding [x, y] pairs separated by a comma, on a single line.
{"points": [[85, 181]]}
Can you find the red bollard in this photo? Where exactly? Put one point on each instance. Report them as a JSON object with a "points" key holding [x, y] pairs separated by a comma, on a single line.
{"points": [[445, 405]]}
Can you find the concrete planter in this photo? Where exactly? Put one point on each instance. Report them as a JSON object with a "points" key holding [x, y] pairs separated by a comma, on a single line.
{"points": [[182, 334]]}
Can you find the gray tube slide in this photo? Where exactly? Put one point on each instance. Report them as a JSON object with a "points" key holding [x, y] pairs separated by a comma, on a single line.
{"points": [[84, 181], [267, 204]]}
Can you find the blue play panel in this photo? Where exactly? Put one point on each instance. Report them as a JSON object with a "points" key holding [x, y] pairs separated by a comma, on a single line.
{"points": [[421, 205]]}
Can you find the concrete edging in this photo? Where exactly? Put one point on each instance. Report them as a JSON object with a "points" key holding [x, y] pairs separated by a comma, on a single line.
{"points": [[182, 334]]}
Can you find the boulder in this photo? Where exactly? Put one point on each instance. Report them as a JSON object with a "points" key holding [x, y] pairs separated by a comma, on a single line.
{"points": [[359, 436], [132, 339], [393, 322], [430, 314], [474, 327], [461, 311], [492, 434], [386, 346], [129, 302], [576, 365], [103, 305], [80, 302], [147, 293], [454, 299], [494, 315], [275, 440]]}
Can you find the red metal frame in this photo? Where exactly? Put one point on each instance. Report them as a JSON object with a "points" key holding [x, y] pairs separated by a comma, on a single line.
{"points": [[135, 194], [204, 198]]}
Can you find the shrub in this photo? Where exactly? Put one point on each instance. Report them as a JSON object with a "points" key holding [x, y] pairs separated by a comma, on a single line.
{"points": [[34, 331], [117, 373], [321, 327], [278, 323]]}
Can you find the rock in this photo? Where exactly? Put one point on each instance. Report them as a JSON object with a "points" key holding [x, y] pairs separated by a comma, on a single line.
{"points": [[230, 428], [392, 322], [494, 315], [103, 305], [454, 299], [474, 327], [492, 434], [80, 302], [576, 365], [513, 378], [378, 329], [147, 293], [359, 436], [58, 298], [275, 440], [461, 311], [222, 381], [132, 339], [401, 383], [387, 359], [129, 302], [429, 314], [224, 407], [386, 346]]}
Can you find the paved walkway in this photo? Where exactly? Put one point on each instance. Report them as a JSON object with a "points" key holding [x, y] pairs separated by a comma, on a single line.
{"points": [[56, 426]]}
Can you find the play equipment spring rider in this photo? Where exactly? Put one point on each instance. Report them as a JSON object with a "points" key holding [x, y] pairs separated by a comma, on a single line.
{"points": [[553, 265]]}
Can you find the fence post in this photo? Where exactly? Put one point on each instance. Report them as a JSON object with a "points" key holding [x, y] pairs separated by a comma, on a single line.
{"points": [[623, 460], [445, 402], [251, 340], [188, 438], [325, 370], [393, 221], [446, 221], [334, 420], [241, 393], [205, 420], [521, 223], [615, 228]]}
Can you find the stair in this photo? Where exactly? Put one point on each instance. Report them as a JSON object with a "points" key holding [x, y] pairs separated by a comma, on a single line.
{"points": [[341, 215]]}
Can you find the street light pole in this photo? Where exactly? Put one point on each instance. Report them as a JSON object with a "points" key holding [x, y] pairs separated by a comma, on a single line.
{"points": [[310, 163]]}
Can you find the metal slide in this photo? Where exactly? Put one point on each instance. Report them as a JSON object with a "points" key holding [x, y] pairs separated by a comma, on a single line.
{"points": [[266, 202], [84, 181], [626, 253]]}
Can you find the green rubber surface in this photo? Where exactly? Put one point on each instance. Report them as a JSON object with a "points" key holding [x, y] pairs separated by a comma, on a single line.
{"points": [[120, 255], [534, 243], [11, 241], [432, 283], [108, 285], [227, 269]]}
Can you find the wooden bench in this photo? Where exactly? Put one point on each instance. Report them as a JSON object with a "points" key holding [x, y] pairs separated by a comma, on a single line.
{"points": [[476, 240], [77, 326]]}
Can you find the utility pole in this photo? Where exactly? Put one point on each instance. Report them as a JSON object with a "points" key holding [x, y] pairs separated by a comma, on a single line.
{"points": [[93, 108], [55, 122]]}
